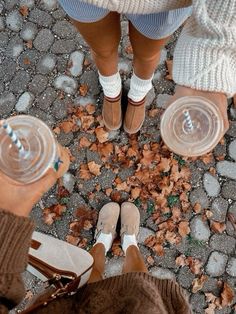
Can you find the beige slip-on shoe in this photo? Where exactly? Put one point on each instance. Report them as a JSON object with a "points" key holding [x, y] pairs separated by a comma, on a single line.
{"points": [[111, 113], [134, 116], [107, 219], [130, 220]]}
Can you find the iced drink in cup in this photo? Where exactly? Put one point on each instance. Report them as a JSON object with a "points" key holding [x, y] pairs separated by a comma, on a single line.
{"points": [[40, 150], [192, 126]]}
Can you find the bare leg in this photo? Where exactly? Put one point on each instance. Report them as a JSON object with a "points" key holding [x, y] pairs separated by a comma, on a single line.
{"points": [[146, 53], [98, 254], [103, 37], [134, 261]]}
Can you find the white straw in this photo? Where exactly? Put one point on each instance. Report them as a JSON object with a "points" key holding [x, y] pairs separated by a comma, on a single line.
{"points": [[13, 137], [188, 120]]}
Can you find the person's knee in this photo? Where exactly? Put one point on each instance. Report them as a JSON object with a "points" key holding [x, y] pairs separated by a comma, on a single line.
{"points": [[146, 58], [105, 53]]}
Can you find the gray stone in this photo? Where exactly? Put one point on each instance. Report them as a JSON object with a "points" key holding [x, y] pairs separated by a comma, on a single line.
{"points": [[219, 209], [66, 83], [91, 79], [232, 150], [228, 190], [68, 181], [20, 82], [7, 70], [227, 169], [28, 59], [216, 264], [220, 150], [84, 101], [14, 21], [15, 47], [150, 98], [144, 233], [40, 17], [232, 209], [223, 243], [76, 63], [162, 100], [38, 84], [64, 29], [106, 179], [185, 277], [24, 102], [7, 103], [231, 267], [168, 259], [232, 129], [211, 185], [59, 109], [44, 116], [3, 40], [29, 31], [2, 23], [198, 195], [49, 4], [44, 40], [75, 201], [59, 14], [46, 64], [45, 100], [61, 46], [162, 273], [65, 139], [29, 3], [114, 267], [199, 229], [211, 285], [198, 302]]}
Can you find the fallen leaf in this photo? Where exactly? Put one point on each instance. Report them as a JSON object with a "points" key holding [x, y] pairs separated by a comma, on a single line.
{"points": [[26, 61], [198, 283], [84, 142], [66, 126], [57, 130], [150, 260], [197, 208], [29, 44], [153, 112], [94, 168], [24, 10], [86, 122], [183, 228], [72, 240], [218, 226], [180, 261], [169, 65], [135, 192], [101, 135], [195, 265], [84, 172], [129, 49], [106, 149], [116, 196], [207, 158], [210, 309], [227, 295], [90, 108], [147, 159], [83, 89]]}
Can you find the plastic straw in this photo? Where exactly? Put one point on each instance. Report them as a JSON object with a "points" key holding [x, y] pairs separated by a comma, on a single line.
{"points": [[13, 136], [188, 120]]}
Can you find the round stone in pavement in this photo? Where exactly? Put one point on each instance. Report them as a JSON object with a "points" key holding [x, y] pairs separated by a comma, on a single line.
{"points": [[144, 233], [216, 264], [232, 150], [64, 29], [162, 273], [44, 40], [76, 63], [20, 82], [228, 190], [14, 47], [198, 195], [14, 21], [62, 46], [49, 4], [185, 277], [24, 102], [29, 31], [199, 229], [231, 267], [38, 84], [198, 302], [223, 243], [8, 68], [59, 109], [45, 100], [7, 103], [3, 39], [28, 58], [211, 184], [29, 3], [227, 169], [40, 17], [46, 63], [66, 83], [91, 79], [219, 209]]}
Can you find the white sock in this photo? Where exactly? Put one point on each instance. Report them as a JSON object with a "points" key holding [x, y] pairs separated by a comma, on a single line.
{"points": [[111, 84], [106, 240], [129, 240], [139, 88]]}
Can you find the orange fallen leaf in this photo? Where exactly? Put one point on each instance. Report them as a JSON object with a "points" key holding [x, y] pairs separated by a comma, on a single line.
{"points": [[84, 142], [90, 108], [135, 192], [197, 208], [106, 149], [148, 157], [150, 260], [183, 228], [164, 165], [94, 168], [72, 240], [24, 10], [29, 44], [66, 126], [84, 172], [129, 49], [101, 135], [83, 89], [195, 265], [207, 158], [26, 61], [57, 130], [218, 226], [227, 295], [86, 122], [180, 261], [153, 112], [198, 283]]}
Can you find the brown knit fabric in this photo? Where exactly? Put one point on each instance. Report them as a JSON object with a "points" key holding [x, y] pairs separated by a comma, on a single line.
{"points": [[136, 293]]}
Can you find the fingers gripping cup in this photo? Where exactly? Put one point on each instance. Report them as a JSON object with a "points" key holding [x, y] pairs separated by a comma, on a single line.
{"points": [[192, 126], [28, 149]]}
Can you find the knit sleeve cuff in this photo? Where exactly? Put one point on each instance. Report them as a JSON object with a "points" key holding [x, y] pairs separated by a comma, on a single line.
{"points": [[204, 57], [15, 236]]}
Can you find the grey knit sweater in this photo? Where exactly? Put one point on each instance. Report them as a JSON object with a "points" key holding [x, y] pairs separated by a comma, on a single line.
{"points": [[205, 56]]}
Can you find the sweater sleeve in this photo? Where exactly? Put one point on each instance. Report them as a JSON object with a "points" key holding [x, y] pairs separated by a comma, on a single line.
{"points": [[205, 54], [15, 236]]}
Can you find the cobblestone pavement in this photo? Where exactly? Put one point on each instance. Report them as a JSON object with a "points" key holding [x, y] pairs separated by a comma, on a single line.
{"points": [[42, 57]]}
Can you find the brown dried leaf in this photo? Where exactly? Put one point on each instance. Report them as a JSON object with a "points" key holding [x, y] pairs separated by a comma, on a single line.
{"points": [[90, 108], [29, 44], [169, 64], [84, 172], [153, 112], [183, 228], [101, 135], [227, 295], [207, 158], [94, 168], [148, 157], [66, 126], [180, 261], [198, 283], [217, 226], [135, 192], [24, 10], [84, 142], [83, 89], [150, 260], [197, 208], [26, 61], [72, 240], [86, 122]]}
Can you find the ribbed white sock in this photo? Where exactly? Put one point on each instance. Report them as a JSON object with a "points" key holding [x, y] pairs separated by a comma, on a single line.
{"points": [[139, 88], [111, 84], [128, 240], [106, 240]]}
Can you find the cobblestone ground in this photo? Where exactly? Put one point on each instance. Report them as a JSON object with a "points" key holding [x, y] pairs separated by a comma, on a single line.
{"points": [[42, 57]]}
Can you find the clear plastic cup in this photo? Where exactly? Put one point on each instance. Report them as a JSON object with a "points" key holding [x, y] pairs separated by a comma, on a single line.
{"points": [[41, 151], [192, 126]]}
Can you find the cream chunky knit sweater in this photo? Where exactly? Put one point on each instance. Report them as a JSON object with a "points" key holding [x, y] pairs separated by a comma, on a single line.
{"points": [[205, 55]]}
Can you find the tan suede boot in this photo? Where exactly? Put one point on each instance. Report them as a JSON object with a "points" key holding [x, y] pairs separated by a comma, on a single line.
{"points": [[134, 117], [111, 113]]}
